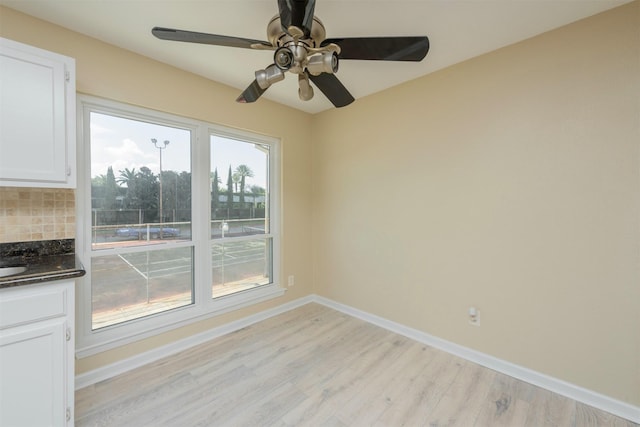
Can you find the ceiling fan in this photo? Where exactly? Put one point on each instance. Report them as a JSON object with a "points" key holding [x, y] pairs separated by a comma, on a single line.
{"points": [[300, 46]]}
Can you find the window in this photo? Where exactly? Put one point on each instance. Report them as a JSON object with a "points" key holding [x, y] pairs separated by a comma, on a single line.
{"points": [[138, 203], [155, 187], [240, 232]]}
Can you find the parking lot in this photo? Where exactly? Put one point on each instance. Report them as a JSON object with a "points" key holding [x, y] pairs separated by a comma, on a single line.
{"points": [[137, 284]]}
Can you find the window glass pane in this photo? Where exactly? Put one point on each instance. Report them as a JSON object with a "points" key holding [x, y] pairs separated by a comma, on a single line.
{"points": [[240, 265], [140, 182], [134, 285], [239, 186]]}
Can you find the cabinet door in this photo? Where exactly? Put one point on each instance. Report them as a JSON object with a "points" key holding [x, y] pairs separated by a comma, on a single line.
{"points": [[34, 128], [33, 372]]}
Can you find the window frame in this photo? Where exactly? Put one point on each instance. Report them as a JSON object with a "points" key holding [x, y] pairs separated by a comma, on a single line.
{"points": [[88, 341]]}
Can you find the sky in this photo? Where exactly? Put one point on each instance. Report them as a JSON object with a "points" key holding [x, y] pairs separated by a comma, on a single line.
{"points": [[124, 143]]}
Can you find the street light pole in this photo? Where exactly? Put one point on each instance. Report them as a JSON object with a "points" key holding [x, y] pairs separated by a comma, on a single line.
{"points": [[164, 145]]}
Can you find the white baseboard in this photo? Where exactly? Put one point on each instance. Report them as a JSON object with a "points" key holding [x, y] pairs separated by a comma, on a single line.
{"points": [[122, 366], [605, 403], [588, 397]]}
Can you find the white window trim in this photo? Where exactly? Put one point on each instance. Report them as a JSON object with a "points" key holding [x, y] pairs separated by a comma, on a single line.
{"points": [[90, 342]]}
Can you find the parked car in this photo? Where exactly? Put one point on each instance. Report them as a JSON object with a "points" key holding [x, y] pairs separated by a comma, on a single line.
{"points": [[141, 232]]}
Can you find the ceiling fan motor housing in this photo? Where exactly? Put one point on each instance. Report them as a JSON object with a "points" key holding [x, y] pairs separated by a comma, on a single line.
{"points": [[275, 32], [297, 55]]}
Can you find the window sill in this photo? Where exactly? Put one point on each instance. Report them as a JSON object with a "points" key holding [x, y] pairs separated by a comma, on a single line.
{"points": [[136, 330]]}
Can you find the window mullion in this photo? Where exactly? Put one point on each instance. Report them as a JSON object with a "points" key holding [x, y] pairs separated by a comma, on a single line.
{"points": [[201, 217]]}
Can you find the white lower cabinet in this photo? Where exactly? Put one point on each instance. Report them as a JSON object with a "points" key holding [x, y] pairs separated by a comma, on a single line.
{"points": [[37, 355]]}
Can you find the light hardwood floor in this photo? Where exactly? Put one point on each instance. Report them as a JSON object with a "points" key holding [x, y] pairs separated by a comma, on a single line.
{"points": [[314, 366]]}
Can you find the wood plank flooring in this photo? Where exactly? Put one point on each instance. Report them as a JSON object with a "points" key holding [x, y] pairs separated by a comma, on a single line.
{"points": [[314, 366]]}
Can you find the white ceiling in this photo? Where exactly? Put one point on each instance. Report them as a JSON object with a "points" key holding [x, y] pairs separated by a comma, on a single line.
{"points": [[458, 30]]}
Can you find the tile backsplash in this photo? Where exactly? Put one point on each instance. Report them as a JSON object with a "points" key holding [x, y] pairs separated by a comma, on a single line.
{"points": [[30, 214]]}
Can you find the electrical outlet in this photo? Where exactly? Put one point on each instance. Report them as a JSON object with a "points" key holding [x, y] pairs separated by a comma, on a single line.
{"points": [[291, 281], [474, 316]]}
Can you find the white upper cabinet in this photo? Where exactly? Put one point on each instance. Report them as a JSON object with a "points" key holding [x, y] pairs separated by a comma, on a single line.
{"points": [[37, 117]]}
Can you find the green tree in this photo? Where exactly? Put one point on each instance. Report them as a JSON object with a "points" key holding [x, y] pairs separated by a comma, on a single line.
{"points": [[184, 196], [243, 171], [236, 181], [111, 191], [230, 189], [146, 191], [176, 195], [127, 177], [256, 190], [215, 191], [99, 180], [169, 194], [98, 184]]}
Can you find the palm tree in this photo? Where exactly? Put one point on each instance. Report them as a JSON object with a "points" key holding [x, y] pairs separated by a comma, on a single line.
{"points": [[236, 180], [128, 178], [243, 171]]}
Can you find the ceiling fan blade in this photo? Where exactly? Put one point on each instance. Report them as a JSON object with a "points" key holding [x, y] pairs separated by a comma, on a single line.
{"points": [[332, 89], [296, 13], [204, 38], [382, 48], [251, 93]]}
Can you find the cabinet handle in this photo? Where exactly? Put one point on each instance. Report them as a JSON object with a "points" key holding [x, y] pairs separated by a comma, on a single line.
{"points": [[68, 334], [68, 414]]}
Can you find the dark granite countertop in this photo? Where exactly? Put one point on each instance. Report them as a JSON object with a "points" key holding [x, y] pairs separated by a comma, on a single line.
{"points": [[44, 260]]}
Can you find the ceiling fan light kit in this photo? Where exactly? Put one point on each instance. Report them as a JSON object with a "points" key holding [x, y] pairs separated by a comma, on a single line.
{"points": [[300, 46]]}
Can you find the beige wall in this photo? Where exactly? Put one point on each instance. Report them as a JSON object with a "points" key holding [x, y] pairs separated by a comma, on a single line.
{"points": [[509, 182], [106, 71]]}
